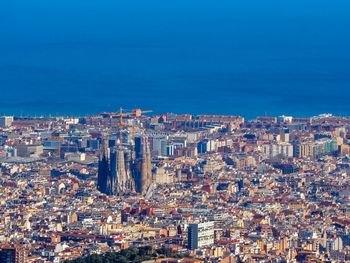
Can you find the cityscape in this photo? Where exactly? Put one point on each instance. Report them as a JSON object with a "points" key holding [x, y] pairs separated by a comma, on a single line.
{"points": [[138, 186], [179, 131]]}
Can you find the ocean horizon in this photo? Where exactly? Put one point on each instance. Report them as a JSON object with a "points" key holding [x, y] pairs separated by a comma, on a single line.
{"points": [[244, 57]]}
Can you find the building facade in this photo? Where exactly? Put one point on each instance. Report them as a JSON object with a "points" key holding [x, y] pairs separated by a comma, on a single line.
{"points": [[200, 235]]}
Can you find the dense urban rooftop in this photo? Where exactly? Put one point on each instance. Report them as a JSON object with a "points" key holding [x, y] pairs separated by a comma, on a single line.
{"points": [[210, 188]]}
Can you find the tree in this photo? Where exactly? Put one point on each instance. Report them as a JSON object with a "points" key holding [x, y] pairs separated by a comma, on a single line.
{"points": [[135, 255]]}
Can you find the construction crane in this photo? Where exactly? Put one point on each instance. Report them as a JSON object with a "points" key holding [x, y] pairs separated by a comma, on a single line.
{"points": [[135, 113], [132, 113]]}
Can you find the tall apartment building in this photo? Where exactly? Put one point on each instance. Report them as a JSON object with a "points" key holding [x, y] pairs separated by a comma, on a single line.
{"points": [[277, 149], [13, 255], [315, 149], [304, 149], [6, 121], [159, 146], [284, 135], [200, 235], [325, 146]]}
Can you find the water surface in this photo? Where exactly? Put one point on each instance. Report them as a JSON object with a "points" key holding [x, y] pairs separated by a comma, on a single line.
{"points": [[248, 57]]}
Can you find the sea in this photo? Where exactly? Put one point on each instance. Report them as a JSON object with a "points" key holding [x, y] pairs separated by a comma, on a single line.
{"points": [[238, 57]]}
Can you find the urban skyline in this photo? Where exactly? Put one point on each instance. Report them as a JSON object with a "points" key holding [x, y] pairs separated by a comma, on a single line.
{"points": [[175, 131], [195, 188]]}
